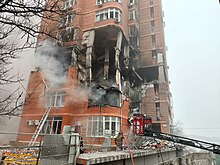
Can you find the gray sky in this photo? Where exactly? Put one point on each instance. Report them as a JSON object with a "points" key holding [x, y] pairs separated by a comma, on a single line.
{"points": [[193, 40]]}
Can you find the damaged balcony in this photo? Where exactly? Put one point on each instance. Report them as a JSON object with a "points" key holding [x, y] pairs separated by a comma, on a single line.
{"points": [[104, 65]]}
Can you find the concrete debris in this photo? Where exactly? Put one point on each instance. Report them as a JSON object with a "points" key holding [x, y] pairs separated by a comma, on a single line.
{"points": [[25, 156]]}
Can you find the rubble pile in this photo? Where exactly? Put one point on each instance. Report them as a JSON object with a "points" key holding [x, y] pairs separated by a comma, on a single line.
{"points": [[23, 156]]}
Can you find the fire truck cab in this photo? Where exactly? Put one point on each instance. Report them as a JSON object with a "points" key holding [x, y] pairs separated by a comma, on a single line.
{"points": [[141, 123]]}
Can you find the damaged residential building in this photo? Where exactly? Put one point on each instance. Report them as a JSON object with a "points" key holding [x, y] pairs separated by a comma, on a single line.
{"points": [[107, 63]]}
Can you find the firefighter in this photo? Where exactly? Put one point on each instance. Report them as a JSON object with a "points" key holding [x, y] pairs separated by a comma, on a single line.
{"points": [[119, 141]]}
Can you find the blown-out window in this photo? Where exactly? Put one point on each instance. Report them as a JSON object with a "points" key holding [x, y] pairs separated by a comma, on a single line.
{"points": [[103, 126], [108, 14], [52, 125]]}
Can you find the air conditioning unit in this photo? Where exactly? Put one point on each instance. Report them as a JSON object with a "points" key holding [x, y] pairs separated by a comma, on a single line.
{"points": [[30, 122]]}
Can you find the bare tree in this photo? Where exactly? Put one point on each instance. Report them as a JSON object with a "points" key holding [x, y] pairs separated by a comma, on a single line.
{"points": [[177, 128], [20, 20]]}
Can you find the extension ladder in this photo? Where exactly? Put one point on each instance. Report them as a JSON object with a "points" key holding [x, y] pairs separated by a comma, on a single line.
{"points": [[39, 127]]}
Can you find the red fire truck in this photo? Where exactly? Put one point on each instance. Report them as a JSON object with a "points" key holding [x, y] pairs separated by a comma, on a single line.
{"points": [[142, 126]]}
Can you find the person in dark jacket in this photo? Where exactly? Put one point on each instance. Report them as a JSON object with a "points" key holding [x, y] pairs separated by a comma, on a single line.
{"points": [[119, 141]]}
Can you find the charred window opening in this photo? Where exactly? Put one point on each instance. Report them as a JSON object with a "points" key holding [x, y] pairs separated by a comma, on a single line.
{"points": [[133, 36], [96, 96], [135, 100], [103, 59], [156, 89], [113, 97], [107, 67], [150, 74], [101, 97], [112, 69], [52, 125], [134, 58], [156, 127]]}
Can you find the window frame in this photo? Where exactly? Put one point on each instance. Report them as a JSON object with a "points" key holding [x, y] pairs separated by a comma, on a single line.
{"points": [[108, 13], [68, 3], [100, 2], [94, 123], [132, 14], [153, 38], [152, 12], [54, 97], [48, 127]]}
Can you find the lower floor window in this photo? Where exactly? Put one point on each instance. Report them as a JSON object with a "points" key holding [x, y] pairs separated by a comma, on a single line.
{"points": [[52, 125], [103, 126]]}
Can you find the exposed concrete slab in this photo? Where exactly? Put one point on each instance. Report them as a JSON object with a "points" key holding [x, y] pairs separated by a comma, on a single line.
{"points": [[123, 157]]}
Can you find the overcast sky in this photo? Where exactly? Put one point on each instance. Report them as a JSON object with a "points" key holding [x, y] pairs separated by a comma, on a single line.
{"points": [[193, 40]]}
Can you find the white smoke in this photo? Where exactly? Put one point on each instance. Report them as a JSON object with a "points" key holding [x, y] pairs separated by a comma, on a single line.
{"points": [[52, 62]]}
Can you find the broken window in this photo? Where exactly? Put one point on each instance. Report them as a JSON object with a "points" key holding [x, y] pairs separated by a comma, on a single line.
{"points": [[136, 98], [133, 36], [52, 125], [112, 97], [55, 99], [96, 97], [156, 89], [101, 97], [102, 125], [108, 13]]}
